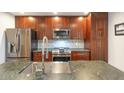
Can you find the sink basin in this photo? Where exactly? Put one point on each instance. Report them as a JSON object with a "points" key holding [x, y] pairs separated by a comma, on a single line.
{"points": [[60, 68], [53, 70]]}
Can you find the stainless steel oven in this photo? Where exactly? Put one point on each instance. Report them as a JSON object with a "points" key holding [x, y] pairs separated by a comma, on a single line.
{"points": [[61, 55]]}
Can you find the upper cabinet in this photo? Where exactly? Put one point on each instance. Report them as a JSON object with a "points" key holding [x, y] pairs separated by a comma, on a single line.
{"points": [[78, 27], [26, 22], [49, 28], [53, 23], [45, 25], [42, 27], [60, 22]]}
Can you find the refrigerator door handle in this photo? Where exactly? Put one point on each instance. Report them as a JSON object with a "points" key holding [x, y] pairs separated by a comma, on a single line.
{"points": [[19, 42]]}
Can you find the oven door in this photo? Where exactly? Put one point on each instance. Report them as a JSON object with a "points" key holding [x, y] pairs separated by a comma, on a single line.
{"points": [[61, 58]]}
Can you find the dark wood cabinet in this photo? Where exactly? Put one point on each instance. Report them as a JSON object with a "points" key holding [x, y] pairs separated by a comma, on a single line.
{"points": [[37, 57], [78, 27], [44, 25], [26, 22], [80, 55], [93, 29], [41, 27], [60, 22], [97, 35], [49, 28]]}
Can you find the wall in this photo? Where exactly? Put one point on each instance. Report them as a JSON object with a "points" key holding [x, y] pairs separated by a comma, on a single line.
{"points": [[115, 43], [6, 21]]}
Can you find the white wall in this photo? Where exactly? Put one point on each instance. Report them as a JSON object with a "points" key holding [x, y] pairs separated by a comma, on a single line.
{"points": [[115, 43], [6, 21]]}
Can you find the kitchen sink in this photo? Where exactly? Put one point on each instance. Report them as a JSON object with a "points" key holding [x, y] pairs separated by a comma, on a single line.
{"points": [[53, 70]]}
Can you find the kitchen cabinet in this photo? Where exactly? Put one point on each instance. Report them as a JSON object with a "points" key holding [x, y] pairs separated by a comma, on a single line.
{"points": [[60, 22], [40, 27], [93, 29], [37, 56], [26, 22], [49, 29], [80, 55], [97, 35], [44, 25], [78, 27]]}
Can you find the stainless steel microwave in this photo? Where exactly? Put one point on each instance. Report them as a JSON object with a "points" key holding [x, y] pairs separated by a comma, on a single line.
{"points": [[61, 34]]}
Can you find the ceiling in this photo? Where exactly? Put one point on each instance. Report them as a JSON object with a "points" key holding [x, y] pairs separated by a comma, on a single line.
{"points": [[49, 13]]}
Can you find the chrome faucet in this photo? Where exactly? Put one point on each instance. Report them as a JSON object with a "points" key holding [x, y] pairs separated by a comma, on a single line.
{"points": [[44, 48]]}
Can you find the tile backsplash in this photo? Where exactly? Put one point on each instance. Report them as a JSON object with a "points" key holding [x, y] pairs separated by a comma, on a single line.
{"points": [[63, 43]]}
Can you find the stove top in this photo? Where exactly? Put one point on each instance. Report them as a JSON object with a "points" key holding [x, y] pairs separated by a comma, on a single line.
{"points": [[62, 50]]}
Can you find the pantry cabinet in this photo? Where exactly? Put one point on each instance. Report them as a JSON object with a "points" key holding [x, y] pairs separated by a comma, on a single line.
{"points": [[97, 35]]}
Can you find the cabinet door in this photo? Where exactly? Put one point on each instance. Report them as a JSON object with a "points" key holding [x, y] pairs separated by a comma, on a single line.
{"points": [[84, 28], [41, 27], [74, 30], [99, 36], [80, 55], [73, 55], [60, 22], [37, 57], [26, 22], [49, 29], [78, 27]]}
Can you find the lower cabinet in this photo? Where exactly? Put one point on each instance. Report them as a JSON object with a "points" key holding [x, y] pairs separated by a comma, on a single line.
{"points": [[75, 55], [37, 56], [80, 55]]}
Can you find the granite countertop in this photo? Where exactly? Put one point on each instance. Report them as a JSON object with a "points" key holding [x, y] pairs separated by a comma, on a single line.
{"points": [[72, 49], [81, 70], [80, 49]]}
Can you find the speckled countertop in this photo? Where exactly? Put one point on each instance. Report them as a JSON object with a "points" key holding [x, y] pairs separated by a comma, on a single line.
{"points": [[81, 70], [72, 49]]}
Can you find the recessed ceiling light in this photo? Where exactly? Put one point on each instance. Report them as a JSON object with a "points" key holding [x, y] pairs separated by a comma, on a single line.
{"points": [[80, 18], [31, 18], [56, 18], [86, 13], [57, 29], [55, 13]]}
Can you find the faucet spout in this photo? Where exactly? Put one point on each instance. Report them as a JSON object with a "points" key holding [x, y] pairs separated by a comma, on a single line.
{"points": [[44, 48]]}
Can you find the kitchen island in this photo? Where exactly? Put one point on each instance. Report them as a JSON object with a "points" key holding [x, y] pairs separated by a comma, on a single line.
{"points": [[80, 70]]}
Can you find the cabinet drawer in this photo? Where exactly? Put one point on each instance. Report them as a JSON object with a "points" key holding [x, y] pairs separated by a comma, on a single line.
{"points": [[37, 57], [75, 55]]}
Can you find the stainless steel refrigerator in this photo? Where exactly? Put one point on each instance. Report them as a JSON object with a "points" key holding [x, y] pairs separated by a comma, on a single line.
{"points": [[19, 42]]}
